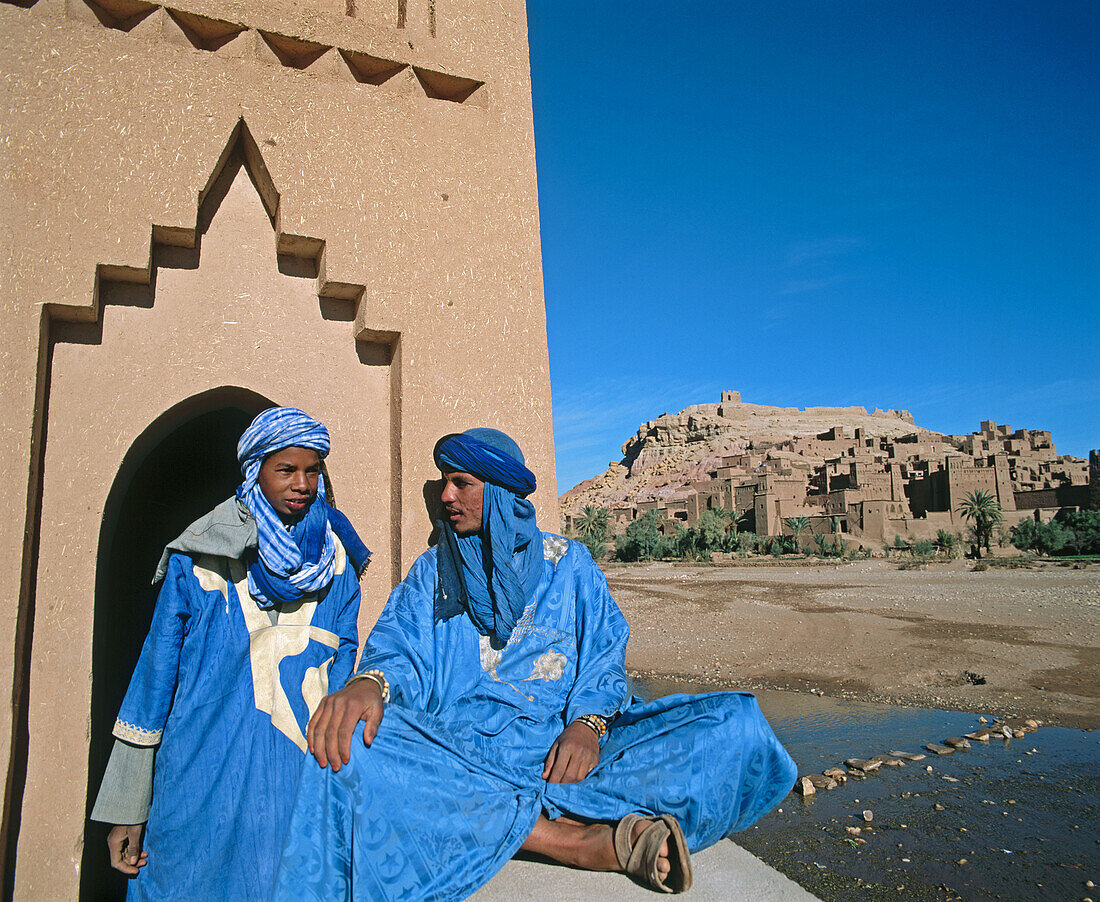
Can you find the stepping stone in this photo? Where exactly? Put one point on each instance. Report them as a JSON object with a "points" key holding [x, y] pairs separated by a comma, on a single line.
{"points": [[821, 782], [889, 760], [939, 749], [979, 736], [863, 764], [838, 774], [805, 787], [909, 756], [957, 742]]}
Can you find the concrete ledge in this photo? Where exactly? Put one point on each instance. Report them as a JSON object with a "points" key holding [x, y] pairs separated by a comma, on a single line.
{"points": [[722, 872]]}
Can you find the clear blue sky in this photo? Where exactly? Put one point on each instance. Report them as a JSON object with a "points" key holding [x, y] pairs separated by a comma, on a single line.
{"points": [[892, 204]]}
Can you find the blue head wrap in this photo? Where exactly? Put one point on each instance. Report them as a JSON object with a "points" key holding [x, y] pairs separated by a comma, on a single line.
{"points": [[302, 559], [492, 574]]}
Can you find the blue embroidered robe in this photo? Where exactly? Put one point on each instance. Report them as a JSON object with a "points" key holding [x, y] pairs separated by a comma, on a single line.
{"points": [[452, 784], [225, 694]]}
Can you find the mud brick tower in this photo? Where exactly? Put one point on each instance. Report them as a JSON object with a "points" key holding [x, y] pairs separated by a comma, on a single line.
{"points": [[211, 206]]}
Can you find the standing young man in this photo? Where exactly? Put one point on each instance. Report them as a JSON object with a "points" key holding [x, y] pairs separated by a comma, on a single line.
{"points": [[255, 620]]}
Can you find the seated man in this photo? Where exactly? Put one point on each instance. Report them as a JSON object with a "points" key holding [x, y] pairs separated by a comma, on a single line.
{"points": [[497, 718]]}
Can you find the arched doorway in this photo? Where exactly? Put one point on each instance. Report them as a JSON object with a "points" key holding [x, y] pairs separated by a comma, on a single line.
{"points": [[179, 468]]}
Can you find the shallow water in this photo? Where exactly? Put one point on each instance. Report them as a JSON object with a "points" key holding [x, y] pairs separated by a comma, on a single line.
{"points": [[1023, 814]]}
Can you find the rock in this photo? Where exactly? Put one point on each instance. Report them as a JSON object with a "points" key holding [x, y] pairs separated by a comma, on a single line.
{"points": [[855, 831], [939, 807], [1005, 732], [805, 787], [909, 756], [863, 764], [929, 768], [1031, 725], [957, 742], [821, 782], [889, 760], [857, 774], [982, 720], [950, 779], [939, 749], [837, 773], [868, 815], [1018, 734], [979, 736], [962, 861]]}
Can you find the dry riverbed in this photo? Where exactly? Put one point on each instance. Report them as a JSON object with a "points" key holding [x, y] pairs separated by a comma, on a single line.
{"points": [[867, 630]]}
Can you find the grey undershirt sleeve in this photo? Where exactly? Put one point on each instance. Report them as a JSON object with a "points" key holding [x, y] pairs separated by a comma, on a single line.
{"points": [[127, 788]]}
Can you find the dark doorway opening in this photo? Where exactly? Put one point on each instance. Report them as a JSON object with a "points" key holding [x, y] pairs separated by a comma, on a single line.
{"points": [[183, 465]]}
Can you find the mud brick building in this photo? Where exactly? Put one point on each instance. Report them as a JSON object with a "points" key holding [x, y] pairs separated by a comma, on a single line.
{"points": [[867, 486]]}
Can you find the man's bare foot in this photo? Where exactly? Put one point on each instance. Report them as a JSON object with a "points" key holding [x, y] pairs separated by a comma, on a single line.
{"points": [[587, 846]]}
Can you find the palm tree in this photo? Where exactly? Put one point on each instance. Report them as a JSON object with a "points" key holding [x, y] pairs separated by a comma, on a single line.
{"points": [[984, 513], [797, 526], [947, 541], [593, 522]]}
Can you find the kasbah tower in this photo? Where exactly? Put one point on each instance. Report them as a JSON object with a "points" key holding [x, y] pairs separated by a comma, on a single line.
{"points": [[210, 207]]}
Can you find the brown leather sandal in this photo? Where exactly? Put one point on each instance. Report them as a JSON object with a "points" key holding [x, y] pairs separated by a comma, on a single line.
{"points": [[639, 859]]}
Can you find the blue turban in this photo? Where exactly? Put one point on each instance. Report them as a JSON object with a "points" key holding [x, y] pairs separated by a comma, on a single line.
{"points": [[493, 574], [300, 560]]}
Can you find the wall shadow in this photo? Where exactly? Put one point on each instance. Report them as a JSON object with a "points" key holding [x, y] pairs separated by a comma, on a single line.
{"points": [[432, 493]]}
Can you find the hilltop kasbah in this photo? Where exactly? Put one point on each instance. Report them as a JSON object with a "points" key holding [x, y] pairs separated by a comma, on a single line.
{"points": [[870, 477]]}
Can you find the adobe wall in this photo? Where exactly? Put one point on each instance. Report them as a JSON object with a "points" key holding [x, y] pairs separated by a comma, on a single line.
{"points": [[375, 261]]}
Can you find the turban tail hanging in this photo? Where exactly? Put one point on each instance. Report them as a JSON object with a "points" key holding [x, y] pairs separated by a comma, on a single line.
{"points": [[494, 574], [300, 560]]}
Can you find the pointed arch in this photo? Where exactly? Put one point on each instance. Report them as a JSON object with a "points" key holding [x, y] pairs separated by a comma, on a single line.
{"points": [[127, 311]]}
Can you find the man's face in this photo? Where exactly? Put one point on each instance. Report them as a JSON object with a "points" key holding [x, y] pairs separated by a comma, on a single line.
{"points": [[462, 499], [288, 479]]}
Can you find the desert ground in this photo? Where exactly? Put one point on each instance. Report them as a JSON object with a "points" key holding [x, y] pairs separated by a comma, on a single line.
{"points": [[868, 630]]}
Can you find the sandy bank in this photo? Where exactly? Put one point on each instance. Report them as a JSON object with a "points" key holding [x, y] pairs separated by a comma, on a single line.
{"points": [[868, 630]]}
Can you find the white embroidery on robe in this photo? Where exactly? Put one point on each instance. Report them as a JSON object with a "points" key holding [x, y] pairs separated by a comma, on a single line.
{"points": [[549, 666], [554, 548], [136, 735], [490, 661]]}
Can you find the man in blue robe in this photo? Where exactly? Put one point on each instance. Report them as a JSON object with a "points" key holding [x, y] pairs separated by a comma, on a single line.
{"points": [[255, 620], [496, 718]]}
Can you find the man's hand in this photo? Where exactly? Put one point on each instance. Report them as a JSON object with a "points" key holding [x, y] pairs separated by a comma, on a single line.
{"points": [[124, 848], [331, 727], [572, 756]]}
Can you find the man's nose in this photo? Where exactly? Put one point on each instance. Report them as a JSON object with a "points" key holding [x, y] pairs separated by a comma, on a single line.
{"points": [[448, 493], [300, 482]]}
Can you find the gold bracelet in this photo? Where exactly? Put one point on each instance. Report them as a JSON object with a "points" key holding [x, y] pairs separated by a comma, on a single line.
{"points": [[378, 677]]}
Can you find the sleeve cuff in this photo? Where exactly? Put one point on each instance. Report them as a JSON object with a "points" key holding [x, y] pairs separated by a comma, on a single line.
{"points": [[126, 792]]}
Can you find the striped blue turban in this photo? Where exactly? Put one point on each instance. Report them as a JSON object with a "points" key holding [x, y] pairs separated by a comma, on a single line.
{"points": [[301, 560]]}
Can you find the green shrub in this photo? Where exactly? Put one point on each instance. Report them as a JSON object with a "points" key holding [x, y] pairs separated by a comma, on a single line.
{"points": [[642, 540]]}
